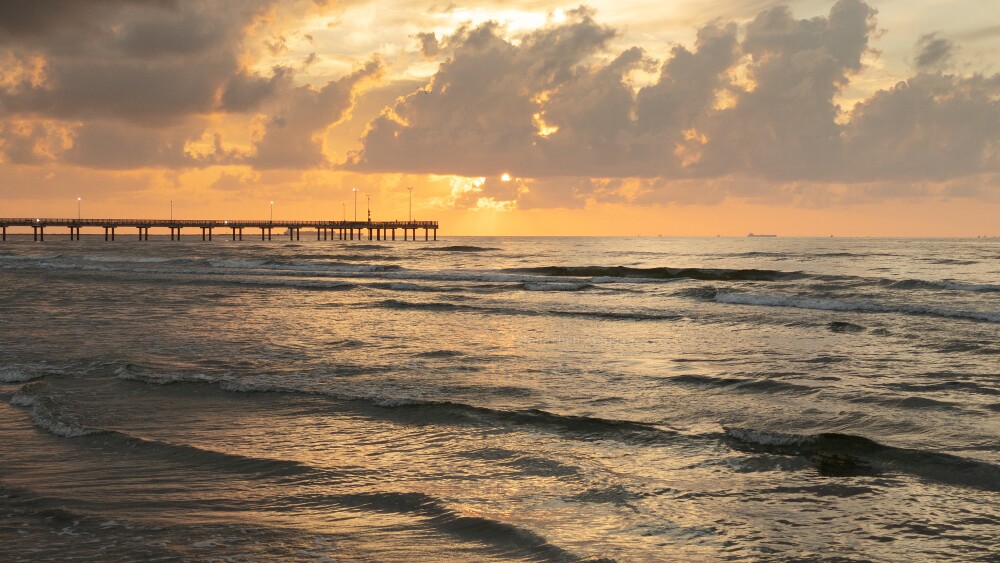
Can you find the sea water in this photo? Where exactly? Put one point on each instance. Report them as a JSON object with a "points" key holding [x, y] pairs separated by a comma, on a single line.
{"points": [[632, 399]]}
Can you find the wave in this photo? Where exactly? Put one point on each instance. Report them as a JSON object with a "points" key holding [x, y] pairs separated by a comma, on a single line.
{"points": [[439, 354], [844, 327], [129, 259], [709, 274], [854, 306], [950, 261], [50, 414], [429, 410], [23, 374], [945, 386], [846, 454], [438, 306], [556, 286], [742, 384], [459, 248], [515, 539], [56, 417], [946, 284]]}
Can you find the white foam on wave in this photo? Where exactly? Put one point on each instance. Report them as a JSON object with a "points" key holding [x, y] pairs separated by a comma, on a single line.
{"points": [[130, 373], [859, 306], [47, 415], [975, 287], [16, 375], [765, 438]]}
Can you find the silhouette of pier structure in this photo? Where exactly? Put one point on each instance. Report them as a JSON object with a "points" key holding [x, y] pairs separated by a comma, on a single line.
{"points": [[325, 230]]}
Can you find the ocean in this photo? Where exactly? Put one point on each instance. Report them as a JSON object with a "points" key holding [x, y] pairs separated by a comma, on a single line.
{"points": [[482, 399]]}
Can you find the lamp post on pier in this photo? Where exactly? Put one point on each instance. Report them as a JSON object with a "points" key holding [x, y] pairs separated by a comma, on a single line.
{"points": [[355, 190], [271, 219], [79, 202]]}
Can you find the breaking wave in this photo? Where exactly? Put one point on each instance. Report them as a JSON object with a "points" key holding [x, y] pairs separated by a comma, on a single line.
{"points": [[846, 454]]}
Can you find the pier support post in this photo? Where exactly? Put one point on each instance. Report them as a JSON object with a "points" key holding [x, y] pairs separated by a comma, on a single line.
{"points": [[425, 232], [435, 234], [262, 233], [4, 230]]}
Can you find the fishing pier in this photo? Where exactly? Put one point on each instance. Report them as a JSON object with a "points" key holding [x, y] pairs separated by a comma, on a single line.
{"points": [[325, 230]]}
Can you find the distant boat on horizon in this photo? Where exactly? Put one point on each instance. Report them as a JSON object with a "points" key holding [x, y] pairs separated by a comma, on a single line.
{"points": [[755, 236]]}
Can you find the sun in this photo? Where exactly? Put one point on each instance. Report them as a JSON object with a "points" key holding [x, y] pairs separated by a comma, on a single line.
{"points": [[505, 177]]}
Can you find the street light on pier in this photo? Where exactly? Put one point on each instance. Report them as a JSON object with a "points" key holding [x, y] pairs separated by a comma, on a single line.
{"points": [[79, 202], [369, 196], [344, 206], [271, 220], [355, 190], [171, 211]]}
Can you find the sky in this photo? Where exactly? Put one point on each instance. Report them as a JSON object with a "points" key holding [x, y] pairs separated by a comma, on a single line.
{"points": [[523, 117]]}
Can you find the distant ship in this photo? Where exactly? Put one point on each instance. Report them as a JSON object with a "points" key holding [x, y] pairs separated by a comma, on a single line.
{"points": [[755, 236]]}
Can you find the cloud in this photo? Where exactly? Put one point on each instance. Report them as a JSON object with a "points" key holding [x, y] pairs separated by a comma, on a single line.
{"points": [[933, 52], [572, 110], [932, 126], [752, 102], [136, 83], [292, 137], [477, 116]]}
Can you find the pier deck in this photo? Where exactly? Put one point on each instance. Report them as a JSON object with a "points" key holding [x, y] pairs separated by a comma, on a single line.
{"points": [[343, 230]]}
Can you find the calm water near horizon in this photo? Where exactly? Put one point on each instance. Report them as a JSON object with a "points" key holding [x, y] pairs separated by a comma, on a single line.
{"points": [[477, 399]]}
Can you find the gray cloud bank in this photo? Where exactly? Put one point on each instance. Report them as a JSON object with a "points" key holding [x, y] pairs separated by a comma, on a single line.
{"points": [[120, 84], [756, 101], [134, 82]]}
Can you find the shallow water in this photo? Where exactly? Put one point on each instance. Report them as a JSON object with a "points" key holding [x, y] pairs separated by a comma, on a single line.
{"points": [[501, 398]]}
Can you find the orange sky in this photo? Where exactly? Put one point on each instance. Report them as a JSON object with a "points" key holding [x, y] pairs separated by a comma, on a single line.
{"points": [[815, 118]]}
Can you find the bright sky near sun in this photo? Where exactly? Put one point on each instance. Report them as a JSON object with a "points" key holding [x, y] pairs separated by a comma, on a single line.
{"points": [[511, 117]]}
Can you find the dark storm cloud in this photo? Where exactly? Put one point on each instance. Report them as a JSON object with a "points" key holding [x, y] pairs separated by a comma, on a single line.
{"points": [[553, 103]]}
